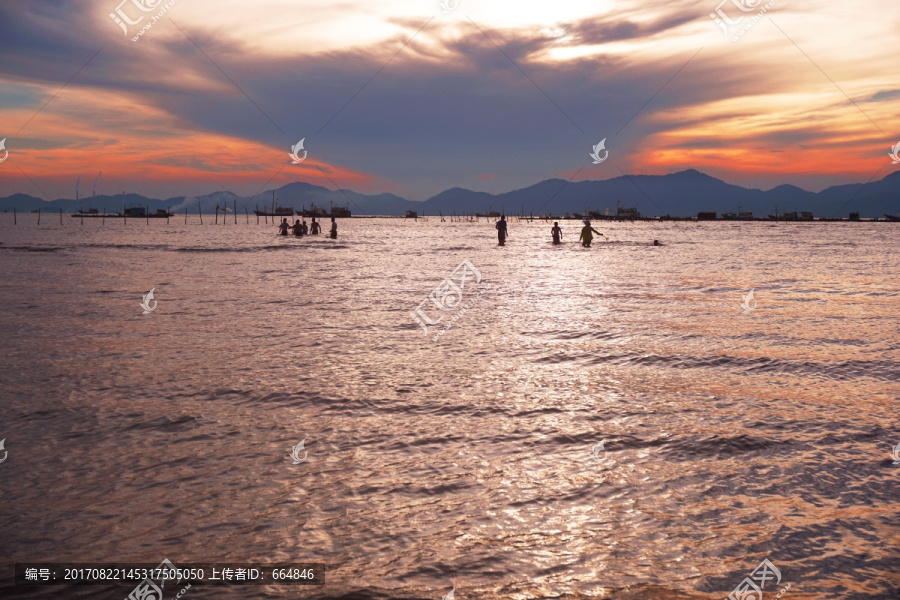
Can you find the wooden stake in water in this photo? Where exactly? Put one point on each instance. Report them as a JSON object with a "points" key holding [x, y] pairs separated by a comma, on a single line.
{"points": [[217, 214], [147, 214], [60, 216], [200, 212], [39, 216], [15, 217], [235, 211]]}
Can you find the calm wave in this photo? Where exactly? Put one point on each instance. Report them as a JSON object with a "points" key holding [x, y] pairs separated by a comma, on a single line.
{"points": [[470, 457]]}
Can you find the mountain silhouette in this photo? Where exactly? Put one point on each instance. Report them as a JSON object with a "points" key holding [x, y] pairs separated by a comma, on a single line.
{"points": [[681, 194]]}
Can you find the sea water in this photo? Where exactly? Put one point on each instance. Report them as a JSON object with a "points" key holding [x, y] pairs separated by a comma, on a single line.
{"points": [[622, 421]]}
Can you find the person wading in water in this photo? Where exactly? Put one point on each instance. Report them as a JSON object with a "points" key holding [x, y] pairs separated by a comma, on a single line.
{"points": [[556, 232], [586, 235], [501, 231]]}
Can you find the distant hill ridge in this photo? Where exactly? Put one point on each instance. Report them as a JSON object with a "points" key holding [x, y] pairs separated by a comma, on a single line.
{"points": [[680, 194]]}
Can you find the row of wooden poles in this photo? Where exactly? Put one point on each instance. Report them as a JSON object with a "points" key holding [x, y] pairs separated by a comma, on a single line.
{"points": [[458, 218], [147, 216]]}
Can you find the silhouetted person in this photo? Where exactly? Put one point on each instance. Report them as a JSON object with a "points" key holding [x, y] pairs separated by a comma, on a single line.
{"points": [[315, 227], [284, 227], [297, 228], [586, 235], [656, 243], [501, 231], [556, 232], [304, 227], [333, 229]]}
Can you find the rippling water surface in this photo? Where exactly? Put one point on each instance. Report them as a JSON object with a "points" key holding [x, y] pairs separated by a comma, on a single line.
{"points": [[468, 458]]}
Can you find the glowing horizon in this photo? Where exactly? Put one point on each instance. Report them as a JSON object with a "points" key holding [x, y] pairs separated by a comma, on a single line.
{"points": [[212, 96]]}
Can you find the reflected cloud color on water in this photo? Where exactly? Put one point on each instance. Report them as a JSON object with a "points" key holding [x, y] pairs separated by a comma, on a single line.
{"points": [[727, 436]]}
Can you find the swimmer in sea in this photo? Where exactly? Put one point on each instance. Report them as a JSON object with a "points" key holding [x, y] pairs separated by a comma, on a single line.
{"points": [[333, 229], [556, 232], [284, 227], [297, 228], [586, 235], [315, 227]]}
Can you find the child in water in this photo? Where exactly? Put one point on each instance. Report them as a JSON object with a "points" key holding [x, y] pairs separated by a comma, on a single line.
{"points": [[556, 232], [303, 228], [333, 229], [586, 235], [284, 227]]}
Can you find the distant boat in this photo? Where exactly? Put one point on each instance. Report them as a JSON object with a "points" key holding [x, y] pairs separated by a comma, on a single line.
{"points": [[314, 211], [627, 213], [132, 211], [340, 212], [892, 218], [140, 211], [411, 214], [280, 211], [788, 216]]}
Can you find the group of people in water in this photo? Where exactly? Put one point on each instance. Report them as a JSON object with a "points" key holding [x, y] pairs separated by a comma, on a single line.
{"points": [[586, 237], [587, 232], [300, 229]]}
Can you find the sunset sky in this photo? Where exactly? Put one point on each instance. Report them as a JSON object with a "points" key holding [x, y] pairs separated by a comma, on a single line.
{"points": [[490, 95]]}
